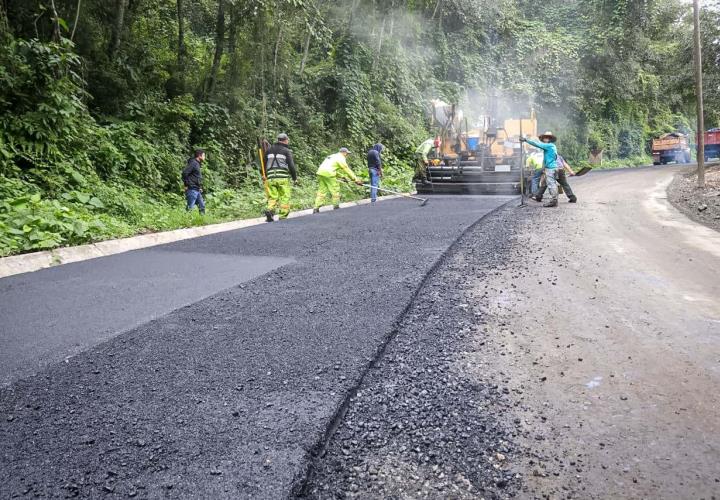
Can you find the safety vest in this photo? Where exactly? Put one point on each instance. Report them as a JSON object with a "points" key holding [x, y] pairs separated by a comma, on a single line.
{"points": [[425, 148], [335, 165]]}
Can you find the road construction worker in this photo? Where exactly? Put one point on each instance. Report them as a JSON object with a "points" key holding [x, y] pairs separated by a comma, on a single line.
{"points": [[279, 169], [564, 170], [535, 164], [422, 160], [327, 177], [192, 180], [550, 163], [374, 161]]}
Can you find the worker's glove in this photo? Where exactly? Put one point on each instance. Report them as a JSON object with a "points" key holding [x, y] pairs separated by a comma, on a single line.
{"points": [[359, 183]]}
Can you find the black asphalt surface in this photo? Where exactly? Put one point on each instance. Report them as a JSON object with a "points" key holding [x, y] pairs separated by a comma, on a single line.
{"points": [[51, 315], [228, 397]]}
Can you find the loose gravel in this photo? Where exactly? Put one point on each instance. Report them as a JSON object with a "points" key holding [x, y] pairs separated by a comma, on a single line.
{"points": [[701, 205], [424, 424]]}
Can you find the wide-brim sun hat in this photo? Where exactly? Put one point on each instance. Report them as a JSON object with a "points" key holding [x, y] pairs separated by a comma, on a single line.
{"points": [[549, 135]]}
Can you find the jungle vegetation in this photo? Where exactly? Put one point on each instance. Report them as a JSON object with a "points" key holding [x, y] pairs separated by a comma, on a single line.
{"points": [[102, 101]]}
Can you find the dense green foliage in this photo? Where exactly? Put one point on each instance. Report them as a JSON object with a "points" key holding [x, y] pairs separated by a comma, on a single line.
{"points": [[101, 101]]}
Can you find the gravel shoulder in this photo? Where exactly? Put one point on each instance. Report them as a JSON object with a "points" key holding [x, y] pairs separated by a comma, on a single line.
{"points": [[701, 205]]}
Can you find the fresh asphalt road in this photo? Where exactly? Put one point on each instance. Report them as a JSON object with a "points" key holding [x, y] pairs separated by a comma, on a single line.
{"points": [[51, 315], [224, 383]]}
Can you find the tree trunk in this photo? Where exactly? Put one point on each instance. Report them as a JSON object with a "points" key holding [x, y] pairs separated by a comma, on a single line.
{"points": [[77, 18], [697, 52], [56, 23], [219, 44], [232, 46], [376, 57], [437, 6], [278, 41], [392, 19], [117, 27], [382, 35], [306, 50], [181, 49]]}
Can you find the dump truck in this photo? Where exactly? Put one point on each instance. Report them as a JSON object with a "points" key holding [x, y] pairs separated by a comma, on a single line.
{"points": [[671, 147], [482, 158], [712, 143]]}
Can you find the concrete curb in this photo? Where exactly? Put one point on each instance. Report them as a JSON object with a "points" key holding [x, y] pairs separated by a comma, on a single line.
{"points": [[30, 262]]}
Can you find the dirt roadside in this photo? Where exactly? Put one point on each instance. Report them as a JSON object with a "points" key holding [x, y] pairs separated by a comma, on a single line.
{"points": [[701, 205], [611, 342]]}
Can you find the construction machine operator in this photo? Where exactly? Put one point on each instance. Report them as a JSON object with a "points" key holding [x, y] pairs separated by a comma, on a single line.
{"points": [[422, 160]]}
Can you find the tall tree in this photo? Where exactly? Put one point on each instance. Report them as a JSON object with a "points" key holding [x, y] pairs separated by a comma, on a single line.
{"points": [[234, 69], [219, 45], [117, 27], [181, 48]]}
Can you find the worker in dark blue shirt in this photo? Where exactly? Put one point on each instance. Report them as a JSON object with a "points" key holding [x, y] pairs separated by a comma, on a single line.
{"points": [[192, 179], [374, 160]]}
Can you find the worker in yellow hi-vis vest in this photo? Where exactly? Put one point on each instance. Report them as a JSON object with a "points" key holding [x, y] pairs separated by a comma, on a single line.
{"points": [[327, 177]]}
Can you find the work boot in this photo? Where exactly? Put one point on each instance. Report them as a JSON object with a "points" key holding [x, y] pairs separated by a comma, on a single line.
{"points": [[335, 207], [537, 198], [551, 203], [316, 210], [573, 199], [269, 214]]}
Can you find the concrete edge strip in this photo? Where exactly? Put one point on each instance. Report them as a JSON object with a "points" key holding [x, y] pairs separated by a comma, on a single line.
{"points": [[31, 262], [302, 481]]}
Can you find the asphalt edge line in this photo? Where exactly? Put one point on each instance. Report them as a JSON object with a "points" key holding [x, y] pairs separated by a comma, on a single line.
{"points": [[36, 261], [301, 482]]}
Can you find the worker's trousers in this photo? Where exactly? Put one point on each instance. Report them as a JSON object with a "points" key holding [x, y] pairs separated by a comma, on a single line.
{"points": [[327, 186], [561, 178], [374, 182], [421, 173], [551, 176], [535, 181], [194, 197], [279, 191]]}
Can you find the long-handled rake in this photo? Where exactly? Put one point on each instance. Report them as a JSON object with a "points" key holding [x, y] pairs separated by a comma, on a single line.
{"points": [[404, 195]]}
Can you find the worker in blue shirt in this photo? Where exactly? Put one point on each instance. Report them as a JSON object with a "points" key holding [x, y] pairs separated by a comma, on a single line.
{"points": [[374, 161], [550, 163]]}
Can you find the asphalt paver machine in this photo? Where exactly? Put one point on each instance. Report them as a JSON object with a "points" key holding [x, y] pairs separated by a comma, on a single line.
{"points": [[482, 158]]}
